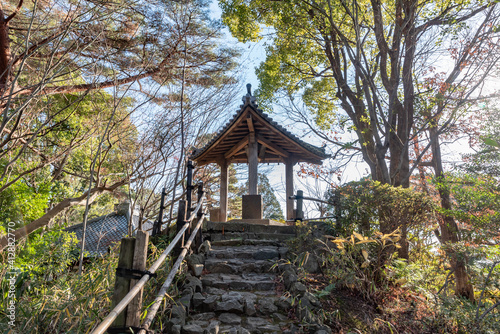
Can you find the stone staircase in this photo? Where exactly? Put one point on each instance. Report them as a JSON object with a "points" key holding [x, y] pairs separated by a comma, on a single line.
{"points": [[238, 288]]}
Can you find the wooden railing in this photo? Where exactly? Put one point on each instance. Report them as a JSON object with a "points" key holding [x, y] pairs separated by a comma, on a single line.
{"points": [[189, 228]]}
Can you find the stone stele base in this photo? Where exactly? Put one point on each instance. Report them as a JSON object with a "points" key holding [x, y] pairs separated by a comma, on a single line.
{"points": [[215, 215], [251, 207]]}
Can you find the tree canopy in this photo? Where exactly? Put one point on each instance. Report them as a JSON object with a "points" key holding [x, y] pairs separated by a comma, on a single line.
{"points": [[75, 75], [399, 75], [383, 70]]}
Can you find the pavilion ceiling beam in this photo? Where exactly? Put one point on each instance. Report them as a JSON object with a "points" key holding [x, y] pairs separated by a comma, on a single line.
{"points": [[250, 123], [244, 160], [248, 127], [262, 152], [235, 149], [238, 155], [272, 147]]}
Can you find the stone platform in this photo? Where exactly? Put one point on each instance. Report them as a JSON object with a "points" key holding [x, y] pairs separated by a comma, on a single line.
{"points": [[255, 221]]}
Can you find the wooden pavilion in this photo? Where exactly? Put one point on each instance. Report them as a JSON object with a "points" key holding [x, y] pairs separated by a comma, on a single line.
{"points": [[251, 137]]}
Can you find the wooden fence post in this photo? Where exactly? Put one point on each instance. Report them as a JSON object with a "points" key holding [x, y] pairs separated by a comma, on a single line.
{"points": [[158, 223], [139, 263], [300, 200], [199, 237], [189, 187], [181, 220], [122, 284]]}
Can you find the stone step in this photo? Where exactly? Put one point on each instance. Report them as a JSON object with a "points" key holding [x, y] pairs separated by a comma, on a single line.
{"points": [[245, 281], [246, 252], [247, 295], [243, 242], [250, 312], [239, 302], [238, 266], [242, 236], [233, 324]]}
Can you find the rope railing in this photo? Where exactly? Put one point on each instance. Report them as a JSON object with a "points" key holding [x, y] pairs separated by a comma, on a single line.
{"points": [[108, 320]]}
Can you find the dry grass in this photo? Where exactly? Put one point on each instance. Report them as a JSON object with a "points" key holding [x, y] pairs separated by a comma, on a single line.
{"points": [[71, 303]]}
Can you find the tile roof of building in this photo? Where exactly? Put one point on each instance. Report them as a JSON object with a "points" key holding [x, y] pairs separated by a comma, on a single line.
{"points": [[102, 232]]}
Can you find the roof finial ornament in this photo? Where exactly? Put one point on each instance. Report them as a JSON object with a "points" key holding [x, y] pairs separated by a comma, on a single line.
{"points": [[249, 99]]}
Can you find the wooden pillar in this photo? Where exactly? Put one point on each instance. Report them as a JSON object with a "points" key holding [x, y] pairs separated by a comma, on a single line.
{"points": [[223, 189], [253, 161], [289, 188]]}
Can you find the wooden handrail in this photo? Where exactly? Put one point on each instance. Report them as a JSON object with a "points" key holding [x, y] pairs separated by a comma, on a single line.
{"points": [[163, 290], [195, 212], [104, 325]]}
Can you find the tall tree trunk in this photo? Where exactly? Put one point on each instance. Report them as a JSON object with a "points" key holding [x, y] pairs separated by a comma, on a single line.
{"points": [[405, 117], [448, 225], [4, 53]]}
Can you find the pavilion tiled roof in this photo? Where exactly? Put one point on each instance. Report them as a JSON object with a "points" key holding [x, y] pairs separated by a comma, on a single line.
{"points": [[249, 104]]}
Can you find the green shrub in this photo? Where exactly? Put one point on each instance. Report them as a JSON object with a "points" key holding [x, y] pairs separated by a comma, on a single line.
{"points": [[368, 206], [358, 262]]}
